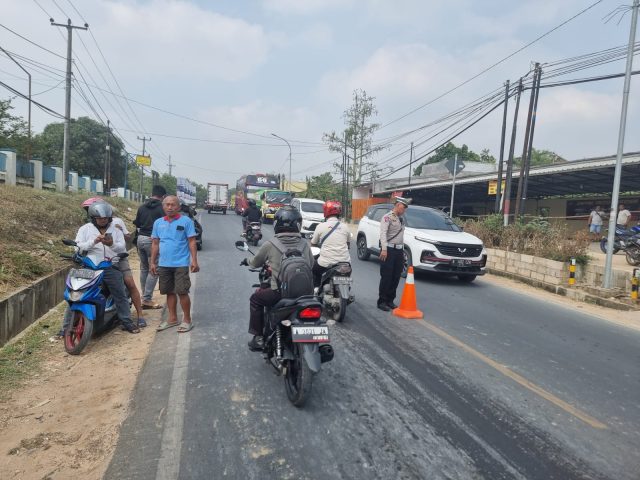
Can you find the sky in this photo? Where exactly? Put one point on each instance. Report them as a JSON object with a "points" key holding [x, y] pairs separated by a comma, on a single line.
{"points": [[211, 81]]}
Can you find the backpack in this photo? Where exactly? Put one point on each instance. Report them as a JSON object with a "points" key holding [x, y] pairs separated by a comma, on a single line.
{"points": [[295, 278]]}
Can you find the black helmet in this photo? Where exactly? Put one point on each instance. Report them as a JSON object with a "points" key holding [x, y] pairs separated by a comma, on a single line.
{"points": [[252, 202], [288, 219], [100, 210]]}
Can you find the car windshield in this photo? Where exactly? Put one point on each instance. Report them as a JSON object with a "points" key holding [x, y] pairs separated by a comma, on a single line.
{"points": [[430, 220], [311, 207], [279, 198]]}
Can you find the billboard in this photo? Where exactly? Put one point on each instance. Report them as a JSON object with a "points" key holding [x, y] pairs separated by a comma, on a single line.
{"points": [[144, 160], [186, 191]]}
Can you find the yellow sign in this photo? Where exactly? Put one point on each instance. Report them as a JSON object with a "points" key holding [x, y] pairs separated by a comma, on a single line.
{"points": [[144, 160], [493, 187]]}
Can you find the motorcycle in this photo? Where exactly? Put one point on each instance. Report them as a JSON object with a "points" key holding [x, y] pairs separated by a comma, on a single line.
{"points": [[335, 288], [632, 250], [622, 236], [253, 233], [92, 307], [296, 338]]}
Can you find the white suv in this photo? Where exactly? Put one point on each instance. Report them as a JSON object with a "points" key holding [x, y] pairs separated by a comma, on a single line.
{"points": [[311, 211], [432, 242]]}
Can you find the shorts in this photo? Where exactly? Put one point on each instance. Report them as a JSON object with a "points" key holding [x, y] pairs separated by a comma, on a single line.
{"points": [[595, 228], [124, 267], [174, 280]]}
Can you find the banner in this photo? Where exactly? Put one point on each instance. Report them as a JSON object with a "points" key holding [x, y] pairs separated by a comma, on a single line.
{"points": [[186, 191], [493, 187], [144, 160]]}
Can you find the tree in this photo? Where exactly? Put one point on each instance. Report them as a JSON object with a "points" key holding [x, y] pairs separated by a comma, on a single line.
{"points": [[13, 130], [357, 137], [322, 187], [87, 151], [449, 150], [542, 157]]}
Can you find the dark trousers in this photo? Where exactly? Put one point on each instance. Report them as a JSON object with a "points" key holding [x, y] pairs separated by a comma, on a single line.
{"points": [[318, 271], [390, 272], [264, 297]]}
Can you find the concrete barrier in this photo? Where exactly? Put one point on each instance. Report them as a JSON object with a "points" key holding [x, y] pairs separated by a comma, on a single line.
{"points": [[24, 307]]}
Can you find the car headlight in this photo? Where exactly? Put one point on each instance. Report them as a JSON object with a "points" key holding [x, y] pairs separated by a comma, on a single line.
{"points": [[426, 240]]}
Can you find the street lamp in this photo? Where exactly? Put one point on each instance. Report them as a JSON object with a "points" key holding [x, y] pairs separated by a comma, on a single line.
{"points": [[284, 140]]}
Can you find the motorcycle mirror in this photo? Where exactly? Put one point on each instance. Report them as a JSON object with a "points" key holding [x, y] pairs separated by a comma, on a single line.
{"points": [[69, 243], [242, 246]]}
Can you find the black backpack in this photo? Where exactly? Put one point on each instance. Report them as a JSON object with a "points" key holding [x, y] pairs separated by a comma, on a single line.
{"points": [[295, 278]]}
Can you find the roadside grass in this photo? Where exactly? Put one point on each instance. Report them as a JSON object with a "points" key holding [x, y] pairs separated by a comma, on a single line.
{"points": [[34, 223], [22, 359]]}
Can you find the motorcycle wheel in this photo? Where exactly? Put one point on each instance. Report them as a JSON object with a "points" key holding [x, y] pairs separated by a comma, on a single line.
{"points": [[603, 246], [633, 256], [77, 334], [298, 380], [338, 316]]}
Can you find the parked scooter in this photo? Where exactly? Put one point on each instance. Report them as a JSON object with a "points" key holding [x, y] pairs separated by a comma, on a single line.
{"points": [[253, 233], [92, 307], [296, 338], [335, 288]]}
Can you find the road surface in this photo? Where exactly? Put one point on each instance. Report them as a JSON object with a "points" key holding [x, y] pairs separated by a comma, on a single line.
{"points": [[492, 384]]}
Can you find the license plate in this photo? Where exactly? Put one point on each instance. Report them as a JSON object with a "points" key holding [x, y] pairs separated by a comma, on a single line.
{"points": [[342, 280], [82, 273], [458, 262], [311, 334]]}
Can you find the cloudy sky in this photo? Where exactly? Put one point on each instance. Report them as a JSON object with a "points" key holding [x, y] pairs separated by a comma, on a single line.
{"points": [[209, 81]]}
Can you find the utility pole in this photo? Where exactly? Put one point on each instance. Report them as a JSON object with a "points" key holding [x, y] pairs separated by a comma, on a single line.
{"points": [[144, 144], [67, 106], [523, 159], [344, 172], [170, 165], [410, 162], [502, 141], [453, 184], [107, 161], [525, 180], [623, 125], [288, 145], [507, 183]]}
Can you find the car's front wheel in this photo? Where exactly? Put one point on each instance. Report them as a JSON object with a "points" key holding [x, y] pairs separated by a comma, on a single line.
{"points": [[408, 261], [361, 246]]}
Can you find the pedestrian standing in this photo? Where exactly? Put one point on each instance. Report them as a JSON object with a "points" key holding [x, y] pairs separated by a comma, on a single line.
{"points": [[595, 222], [391, 253], [147, 214], [173, 255], [624, 216]]}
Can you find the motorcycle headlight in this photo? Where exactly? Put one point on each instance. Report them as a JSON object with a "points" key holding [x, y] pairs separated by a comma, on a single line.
{"points": [[75, 296]]}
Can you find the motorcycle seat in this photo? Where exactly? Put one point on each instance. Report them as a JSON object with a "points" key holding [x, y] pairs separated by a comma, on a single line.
{"points": [[290, 302]]}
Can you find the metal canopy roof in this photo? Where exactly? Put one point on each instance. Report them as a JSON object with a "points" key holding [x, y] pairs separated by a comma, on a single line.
{"points": [[591, 176]]}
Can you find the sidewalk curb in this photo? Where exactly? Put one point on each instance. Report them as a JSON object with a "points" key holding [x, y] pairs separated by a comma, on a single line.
{"points": [[571, 293]]}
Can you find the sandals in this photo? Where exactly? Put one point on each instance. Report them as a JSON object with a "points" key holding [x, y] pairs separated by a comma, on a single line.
{"points": [[153, 306], [131, 328], [185, 327], [164, 325]]}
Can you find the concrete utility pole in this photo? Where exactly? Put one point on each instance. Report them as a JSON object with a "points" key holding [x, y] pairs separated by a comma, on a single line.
{"points": [[170, 165], [623, 125], [525, 181], [107, 161], [67, 106], [144, 144], [502, 140], [507, 183], [288, 145], [410, 162], [453, 184], [29, 118]]}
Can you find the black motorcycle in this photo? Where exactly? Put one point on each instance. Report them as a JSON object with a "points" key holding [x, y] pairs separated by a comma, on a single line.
{"points": [[621, 239], [296, 338], [335, 288], [253, 233]]}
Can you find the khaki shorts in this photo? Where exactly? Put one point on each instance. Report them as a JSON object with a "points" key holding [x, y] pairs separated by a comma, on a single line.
{"points": [[124, 267], [174, 280]]}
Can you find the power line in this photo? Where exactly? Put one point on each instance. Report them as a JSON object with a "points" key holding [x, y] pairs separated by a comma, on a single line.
{"points": [[37, 104], [32, 42]]}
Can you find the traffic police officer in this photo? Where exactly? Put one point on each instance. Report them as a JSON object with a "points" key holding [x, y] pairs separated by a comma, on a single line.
{"points": [[391, 253]]}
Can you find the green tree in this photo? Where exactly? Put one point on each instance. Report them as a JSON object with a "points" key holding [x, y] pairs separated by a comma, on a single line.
{"points": [[87, 152], [322, 187], [449, 150], [542, 157], [357, 137], [13, 129]]}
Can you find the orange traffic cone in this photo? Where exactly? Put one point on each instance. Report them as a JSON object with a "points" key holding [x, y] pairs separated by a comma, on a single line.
{"points": [[408, 306]]}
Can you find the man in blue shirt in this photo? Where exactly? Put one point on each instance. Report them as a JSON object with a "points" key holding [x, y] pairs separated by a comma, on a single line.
{"points": [[174, 241]]}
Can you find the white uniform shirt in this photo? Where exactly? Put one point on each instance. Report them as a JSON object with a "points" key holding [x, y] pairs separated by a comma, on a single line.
{"points": [[118, 221], [334, 249], [623, 217], [595, 218], [99, 252]]}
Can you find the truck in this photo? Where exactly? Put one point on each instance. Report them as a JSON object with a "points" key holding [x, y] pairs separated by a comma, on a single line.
{"points": [[271, 201], [217, 198]]}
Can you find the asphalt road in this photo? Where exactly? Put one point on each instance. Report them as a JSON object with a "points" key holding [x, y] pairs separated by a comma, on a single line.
{"points": [[492, 384]]}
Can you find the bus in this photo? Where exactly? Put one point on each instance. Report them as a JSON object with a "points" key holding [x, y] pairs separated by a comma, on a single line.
{"points": [[251, 186]]}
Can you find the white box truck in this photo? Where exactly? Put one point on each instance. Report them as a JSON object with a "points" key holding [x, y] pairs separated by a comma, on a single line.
{"points": [[217, 198]]}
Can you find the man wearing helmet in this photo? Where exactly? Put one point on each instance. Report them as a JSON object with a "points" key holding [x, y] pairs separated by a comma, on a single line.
{"points": [[102, 241], [286, 226], [251, 214], [333, 238]]}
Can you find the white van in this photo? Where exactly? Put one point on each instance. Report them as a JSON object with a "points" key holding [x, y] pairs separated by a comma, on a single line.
{"points": [[311, 211]]}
